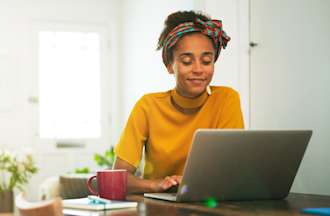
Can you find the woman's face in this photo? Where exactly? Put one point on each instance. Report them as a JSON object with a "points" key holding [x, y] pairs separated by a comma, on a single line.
{"points": [[193, 64]]}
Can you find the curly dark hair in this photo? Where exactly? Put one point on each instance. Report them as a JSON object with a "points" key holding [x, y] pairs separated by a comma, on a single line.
{"points": [[174, 20]]}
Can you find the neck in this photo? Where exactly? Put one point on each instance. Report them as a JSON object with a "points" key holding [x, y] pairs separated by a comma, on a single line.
{"points": [[188, 103]]}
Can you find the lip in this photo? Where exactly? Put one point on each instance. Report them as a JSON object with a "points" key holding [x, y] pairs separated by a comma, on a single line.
{"points": [[196, 81], [201, 79]]}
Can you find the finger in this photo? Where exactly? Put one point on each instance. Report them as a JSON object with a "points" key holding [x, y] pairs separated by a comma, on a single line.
{"points": [[166, 185], [171, 179], [177, 178]]}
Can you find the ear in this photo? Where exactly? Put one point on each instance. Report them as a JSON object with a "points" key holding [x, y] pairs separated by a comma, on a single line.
{"points": [[170, 69]]}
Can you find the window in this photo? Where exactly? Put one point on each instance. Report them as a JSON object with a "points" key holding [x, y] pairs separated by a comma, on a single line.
{"points": [[69, 85]]}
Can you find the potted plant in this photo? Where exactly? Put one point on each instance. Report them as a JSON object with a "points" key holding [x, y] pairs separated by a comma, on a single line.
{"points": [[15, 172], [104, 160]]}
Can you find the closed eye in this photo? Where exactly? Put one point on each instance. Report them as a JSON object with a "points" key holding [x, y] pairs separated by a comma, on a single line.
{"points": [[206, 62], [207, 59], [187, 63]]}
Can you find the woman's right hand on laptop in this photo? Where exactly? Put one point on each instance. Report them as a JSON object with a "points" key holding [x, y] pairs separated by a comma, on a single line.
{"points": [[162, 185]]}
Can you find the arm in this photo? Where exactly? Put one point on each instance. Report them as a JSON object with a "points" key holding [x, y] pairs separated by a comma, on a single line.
{"points": [[139, 185]]}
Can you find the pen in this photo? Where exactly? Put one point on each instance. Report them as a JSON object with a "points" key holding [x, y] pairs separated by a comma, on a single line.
{"points": [[316, 211]]}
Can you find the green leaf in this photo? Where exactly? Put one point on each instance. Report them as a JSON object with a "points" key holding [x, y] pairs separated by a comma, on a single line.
{"points": [[105, 160], [82, 170]]}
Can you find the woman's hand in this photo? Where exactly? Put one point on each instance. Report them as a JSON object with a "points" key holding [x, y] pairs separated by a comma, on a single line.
{"points": [[138, 185], [161, 185]]}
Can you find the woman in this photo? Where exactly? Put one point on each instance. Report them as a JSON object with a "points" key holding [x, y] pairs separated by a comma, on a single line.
{"points": [[164, 122]]}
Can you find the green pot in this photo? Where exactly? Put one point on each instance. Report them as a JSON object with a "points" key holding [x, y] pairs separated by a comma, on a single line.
{"points": [[6, 201], [75, 185]]}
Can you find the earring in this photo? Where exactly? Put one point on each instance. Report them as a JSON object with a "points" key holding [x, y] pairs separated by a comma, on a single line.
{"points": [[208, 90]]}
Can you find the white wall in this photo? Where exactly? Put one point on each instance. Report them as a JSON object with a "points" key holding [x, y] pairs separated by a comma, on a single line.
{"points": [[18, 19], [18, 73], [290, 76]]}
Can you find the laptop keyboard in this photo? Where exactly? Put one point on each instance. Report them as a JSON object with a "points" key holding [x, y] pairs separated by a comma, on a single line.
{"points": [[172, 189], [164, 196]]}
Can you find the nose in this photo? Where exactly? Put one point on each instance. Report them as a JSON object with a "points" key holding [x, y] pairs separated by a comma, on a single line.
{"points": [[197, 67]]}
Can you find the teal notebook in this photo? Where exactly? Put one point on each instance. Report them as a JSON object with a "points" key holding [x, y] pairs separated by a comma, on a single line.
{"points": [[88, 204]]}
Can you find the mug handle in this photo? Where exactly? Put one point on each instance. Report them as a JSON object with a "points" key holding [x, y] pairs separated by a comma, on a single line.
{"points": [[89, 185]]}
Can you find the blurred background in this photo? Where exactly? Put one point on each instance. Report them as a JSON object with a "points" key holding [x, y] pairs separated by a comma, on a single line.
{"points": [[71, 71]]}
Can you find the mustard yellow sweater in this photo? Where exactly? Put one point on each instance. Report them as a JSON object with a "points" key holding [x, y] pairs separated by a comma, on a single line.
{"points": [[156, 123]]}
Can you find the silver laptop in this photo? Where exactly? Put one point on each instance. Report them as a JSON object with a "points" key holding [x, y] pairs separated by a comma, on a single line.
{"points": [[240, 165]]}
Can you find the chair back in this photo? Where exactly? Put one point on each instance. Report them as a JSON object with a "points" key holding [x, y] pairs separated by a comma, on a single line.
{"points": [[42, 208]]}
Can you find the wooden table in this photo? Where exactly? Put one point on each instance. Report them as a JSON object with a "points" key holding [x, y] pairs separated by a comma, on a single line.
{"points": [[289, 206]]}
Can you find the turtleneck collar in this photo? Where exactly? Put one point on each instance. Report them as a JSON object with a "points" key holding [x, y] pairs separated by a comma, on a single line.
{"points": [[188, 103]]}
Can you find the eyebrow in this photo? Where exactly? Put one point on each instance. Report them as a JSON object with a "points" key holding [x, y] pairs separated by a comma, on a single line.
{"points": [[190, 54]]}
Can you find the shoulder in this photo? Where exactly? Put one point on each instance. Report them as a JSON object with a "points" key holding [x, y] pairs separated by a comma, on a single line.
{"points": [[154, 96], [223, 91], [150, 99]]}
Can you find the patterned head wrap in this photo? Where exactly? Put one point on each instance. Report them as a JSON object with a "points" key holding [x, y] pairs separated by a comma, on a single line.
{"points": [[211, 28]]}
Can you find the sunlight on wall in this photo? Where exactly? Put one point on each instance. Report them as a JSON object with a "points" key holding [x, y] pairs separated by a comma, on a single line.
{"points": [[69, 84]]}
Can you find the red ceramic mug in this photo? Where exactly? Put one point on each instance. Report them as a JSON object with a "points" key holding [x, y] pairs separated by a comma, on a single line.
{"points": [[111, 184]]}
